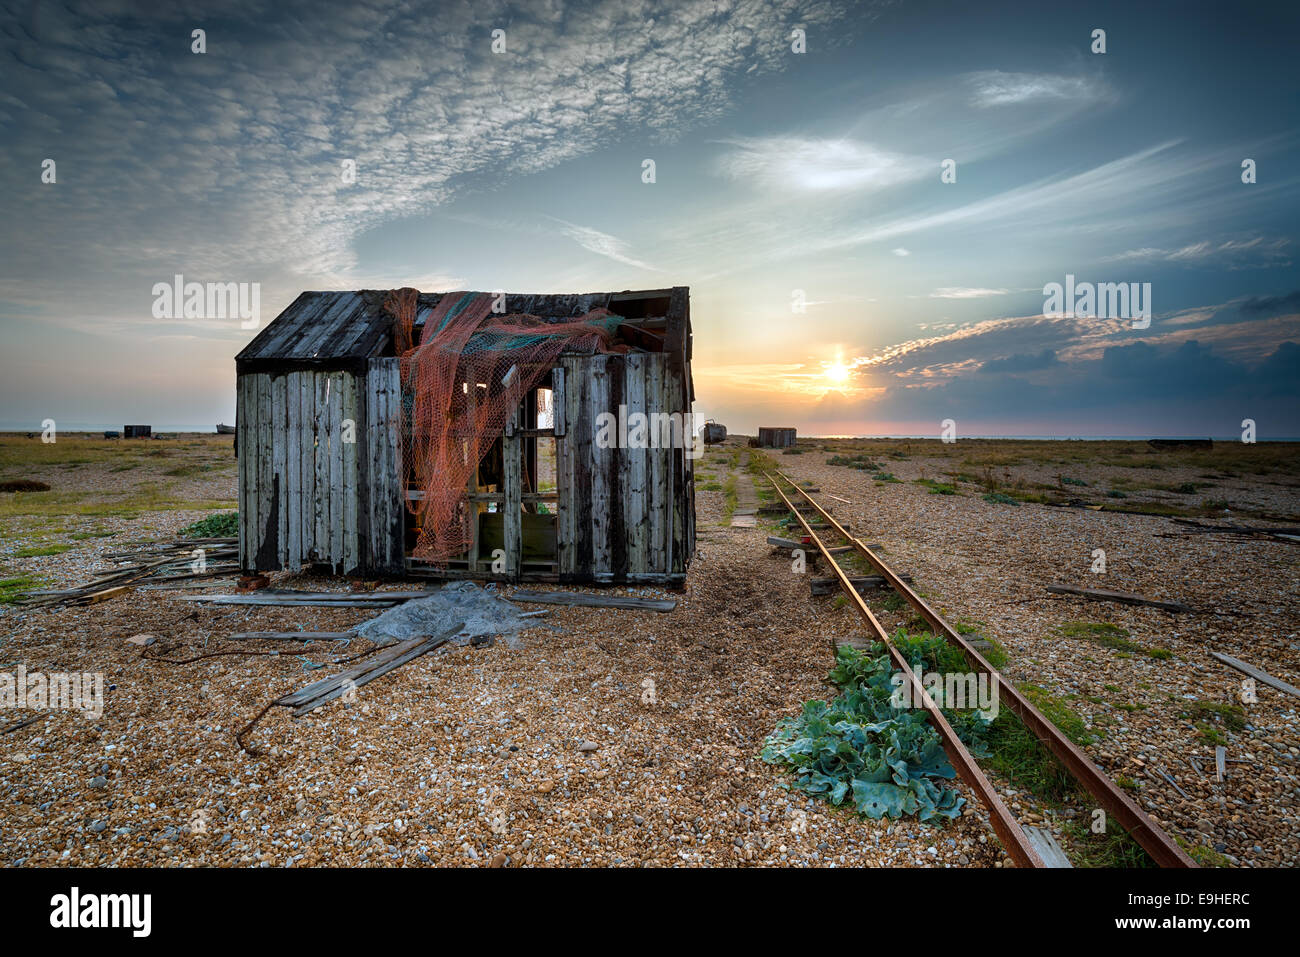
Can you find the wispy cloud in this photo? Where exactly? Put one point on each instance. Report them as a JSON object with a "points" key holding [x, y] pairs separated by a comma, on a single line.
{"points": [[602, 244], [794, 163], [1259, 251], [966, 292], [251, 185], [991, 88]]}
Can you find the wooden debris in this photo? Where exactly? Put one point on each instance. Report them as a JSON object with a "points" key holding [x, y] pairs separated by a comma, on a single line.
{"points": [[320, 692], [593, 601], [1220, 753], [809, 548], [21, 724], [304, 636], [1123, 597], [1045, 844], [1252, 671], [1169, 778], [294, 601], [828, 586]]}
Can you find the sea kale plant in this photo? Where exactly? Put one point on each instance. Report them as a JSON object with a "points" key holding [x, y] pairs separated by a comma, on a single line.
{"points": [[859, 747]]}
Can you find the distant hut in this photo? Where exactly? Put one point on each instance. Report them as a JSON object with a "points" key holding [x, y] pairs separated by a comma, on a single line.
{"points": [[714, 434], [776, 438], [425, 434], [137, 431]]}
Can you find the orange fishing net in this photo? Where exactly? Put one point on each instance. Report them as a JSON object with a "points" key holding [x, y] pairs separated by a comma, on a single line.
{"points": [[461, 382]]}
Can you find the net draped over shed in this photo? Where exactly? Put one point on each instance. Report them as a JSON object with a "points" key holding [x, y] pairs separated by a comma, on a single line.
{"points": [[461, 382]]}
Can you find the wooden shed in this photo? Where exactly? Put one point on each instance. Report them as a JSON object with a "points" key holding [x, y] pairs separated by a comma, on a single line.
{"points": [[325, 432], [776, 438]]}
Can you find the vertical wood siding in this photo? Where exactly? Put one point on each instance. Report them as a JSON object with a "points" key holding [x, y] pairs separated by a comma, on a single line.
{"points": [[626, 513], [319, 470]]}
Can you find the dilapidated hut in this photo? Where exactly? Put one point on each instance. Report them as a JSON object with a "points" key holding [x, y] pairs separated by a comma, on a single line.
{"points": [[776, 437], [470, 435]]}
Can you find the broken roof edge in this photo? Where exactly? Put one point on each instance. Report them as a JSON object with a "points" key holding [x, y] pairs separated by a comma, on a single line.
{"points": [[344, 328]]}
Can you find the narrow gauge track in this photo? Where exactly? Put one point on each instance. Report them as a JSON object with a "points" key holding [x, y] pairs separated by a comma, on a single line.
{"points": [[1162, 849]]}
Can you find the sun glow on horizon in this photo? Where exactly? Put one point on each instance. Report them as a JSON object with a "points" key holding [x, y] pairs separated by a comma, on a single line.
{"points": [[837, 373]]}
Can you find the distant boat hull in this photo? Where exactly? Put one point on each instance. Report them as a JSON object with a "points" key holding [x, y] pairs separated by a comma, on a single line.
{"points": [[225, 429]]}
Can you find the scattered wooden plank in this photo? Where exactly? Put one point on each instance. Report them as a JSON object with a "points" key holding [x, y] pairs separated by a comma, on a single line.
{"points": [[594, 601], [1045, 844], [809, 547], [1255, 673], [294, 635], [844, 501], [1125, 598], [1220, 754], [295, 602], [827, 586], [320, 692], [22, 724], [94, 598], [1169, 778]]}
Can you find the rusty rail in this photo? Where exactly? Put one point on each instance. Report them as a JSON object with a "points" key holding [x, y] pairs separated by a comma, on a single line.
{"points": [[1162, 848], [1004, 824]]}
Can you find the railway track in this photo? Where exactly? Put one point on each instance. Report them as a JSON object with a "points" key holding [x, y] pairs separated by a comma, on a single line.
{"points": [[1118, 805]]}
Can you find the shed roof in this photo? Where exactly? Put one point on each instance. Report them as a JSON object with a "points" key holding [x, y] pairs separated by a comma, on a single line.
{"points": [[341, 330]]}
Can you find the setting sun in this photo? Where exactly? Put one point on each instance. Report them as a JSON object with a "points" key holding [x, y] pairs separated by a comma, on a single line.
{"points": [[837, 372]]}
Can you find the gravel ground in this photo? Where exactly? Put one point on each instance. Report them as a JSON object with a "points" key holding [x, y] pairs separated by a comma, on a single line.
{"points": [[468, 756], [553, 754], [989, 564]]}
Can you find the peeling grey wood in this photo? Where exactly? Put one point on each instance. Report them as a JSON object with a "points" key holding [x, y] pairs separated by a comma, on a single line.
{"points": [[1261, 676], [1045, 844]]}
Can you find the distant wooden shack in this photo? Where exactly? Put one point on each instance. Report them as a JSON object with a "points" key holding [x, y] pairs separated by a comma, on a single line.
{"points": [[776, 438], [326, 471], [137, 431], [714, 434]]}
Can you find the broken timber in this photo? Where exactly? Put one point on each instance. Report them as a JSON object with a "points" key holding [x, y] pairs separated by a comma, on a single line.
{"points": [[1045, 844], [1255, 673], [295, 601], [1123, 597], [327, 689], [593, 601], [294, 635], [827, 586]]}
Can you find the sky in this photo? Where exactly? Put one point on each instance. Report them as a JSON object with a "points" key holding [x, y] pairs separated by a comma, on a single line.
{"points": [[868, 201]]}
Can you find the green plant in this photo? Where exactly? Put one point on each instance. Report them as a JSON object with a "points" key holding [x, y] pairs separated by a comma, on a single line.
{"points": [[860, 748], [12, 588], [223, 525], [861, 462], [1000, 498], [38, 551], [1111, 636]]}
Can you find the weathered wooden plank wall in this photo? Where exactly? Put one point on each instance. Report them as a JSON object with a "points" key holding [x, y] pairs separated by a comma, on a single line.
{"points": [[319, 470], [384, 491], [626, 507]]}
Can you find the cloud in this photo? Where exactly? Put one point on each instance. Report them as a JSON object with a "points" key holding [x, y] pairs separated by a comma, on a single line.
{"points": [[966, 292], [900, 251], [1268, 306], [991, 88], [793, 163], [1022, 362], [1233, 253], [227, 165], [602, 244]]}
